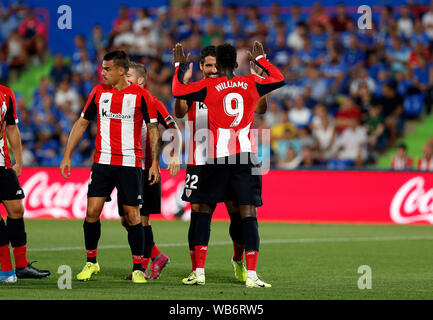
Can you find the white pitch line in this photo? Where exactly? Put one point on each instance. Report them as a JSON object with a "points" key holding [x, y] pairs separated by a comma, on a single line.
{"points": [[220, 243]]}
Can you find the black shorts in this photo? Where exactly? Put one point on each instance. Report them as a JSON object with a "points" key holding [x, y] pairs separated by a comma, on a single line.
{"points": [[214, 183], [10, 188], [151, 197], [128, 181]]}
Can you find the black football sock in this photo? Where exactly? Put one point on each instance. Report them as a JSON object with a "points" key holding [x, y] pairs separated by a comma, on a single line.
{"points": [[16, 232], [251, 234], [202, 229], [92, 233], [148, 241], [192, 224], [236, 229], [4, 240], [136, 243]]}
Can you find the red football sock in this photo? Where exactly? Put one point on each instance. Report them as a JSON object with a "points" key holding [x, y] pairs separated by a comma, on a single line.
{"points": [[91, 253], [238, 251], [200, 256], [251, 257], [5, 258], [137, 259], [192, 255], [155, 252], [145, 263], [20, 254]]}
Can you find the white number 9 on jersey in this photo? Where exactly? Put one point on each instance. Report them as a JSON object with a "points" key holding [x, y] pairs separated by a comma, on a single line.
{"points": [[237, 111]]}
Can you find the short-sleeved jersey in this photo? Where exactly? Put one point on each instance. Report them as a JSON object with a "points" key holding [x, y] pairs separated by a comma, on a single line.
{"points": [[425, 164], [198, 127], [9, 114], [166, 120], [120, 115], [231, 104]]}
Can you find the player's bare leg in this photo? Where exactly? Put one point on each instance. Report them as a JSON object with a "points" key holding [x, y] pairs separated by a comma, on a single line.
{"points": [[17, 236], [252, 242], [92, 233]]}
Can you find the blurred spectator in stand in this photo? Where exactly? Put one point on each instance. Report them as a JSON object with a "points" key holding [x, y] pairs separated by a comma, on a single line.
{"points": [[427, 21], [401, 161], [392, 111], [419, 35], [362, 79], [294, 18], [34, 33], [184, 24], [17, 54], [123, 21], [398, 56], [300, 115], [319, 16], [308, 158], [98, 41], [67, 95], [145, 42], [374, 123], [347, 111], [350, 146], [324, 132], [426, 162], [143, 20], [405, 22], [295, 39], [340, 21], [60, 70], [318, 84], [274, 113]]}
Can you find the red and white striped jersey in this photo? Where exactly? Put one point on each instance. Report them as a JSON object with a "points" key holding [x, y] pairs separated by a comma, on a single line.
{"points": [[398, 163], [8, 112], [120, 115], [166, 120], [425, 164], [231, 104], [198, 128]]}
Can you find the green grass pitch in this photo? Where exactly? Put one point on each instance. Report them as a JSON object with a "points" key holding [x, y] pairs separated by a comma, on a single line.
{"points": [[301, 261]]}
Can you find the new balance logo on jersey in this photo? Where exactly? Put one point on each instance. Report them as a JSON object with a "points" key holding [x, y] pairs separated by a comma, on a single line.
{"points": [[106, 101], [139, 197], [19, 192], [108, 114]]}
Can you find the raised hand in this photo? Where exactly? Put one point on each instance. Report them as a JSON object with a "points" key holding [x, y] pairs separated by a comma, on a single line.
{"points": [[179, 55], [257, 51]]}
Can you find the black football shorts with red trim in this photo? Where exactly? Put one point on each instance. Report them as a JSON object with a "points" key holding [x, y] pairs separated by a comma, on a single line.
{"points": [[151, 197], [10, 188], [128, 181], [214, 183]]}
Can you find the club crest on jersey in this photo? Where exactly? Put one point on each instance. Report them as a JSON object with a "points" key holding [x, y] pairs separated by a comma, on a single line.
{"points": [[188, 192]]}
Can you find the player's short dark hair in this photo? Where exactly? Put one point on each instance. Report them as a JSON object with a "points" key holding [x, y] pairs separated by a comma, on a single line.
{"points": [[139, 68], [119, 57], [208, 51], [402, 145], [226, 56]]}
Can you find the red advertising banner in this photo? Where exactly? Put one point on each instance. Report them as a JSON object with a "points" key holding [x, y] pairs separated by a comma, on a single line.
{"points": [[293, 196]]}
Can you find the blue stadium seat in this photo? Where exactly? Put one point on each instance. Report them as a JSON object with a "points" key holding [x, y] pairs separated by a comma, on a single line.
{"points": [[413, 105]]}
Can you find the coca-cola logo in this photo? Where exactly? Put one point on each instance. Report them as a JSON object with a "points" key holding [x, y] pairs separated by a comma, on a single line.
{"points": [[60, 199], [412, 203]]}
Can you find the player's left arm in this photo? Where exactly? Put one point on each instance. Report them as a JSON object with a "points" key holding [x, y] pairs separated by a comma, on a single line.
{"points": [[173, 130], [150, 117], [14, 137], [13, 133]]}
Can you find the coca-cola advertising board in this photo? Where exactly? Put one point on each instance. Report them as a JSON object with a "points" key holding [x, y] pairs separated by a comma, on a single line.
{"points": [[291, 196]]}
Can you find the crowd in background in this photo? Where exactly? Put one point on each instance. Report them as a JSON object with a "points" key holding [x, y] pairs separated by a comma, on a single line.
{"points": [[347, 96]]}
